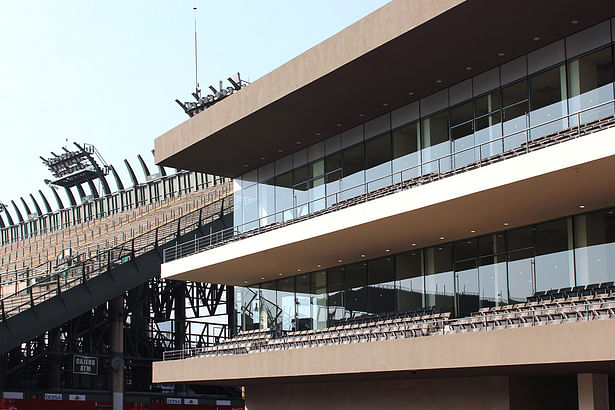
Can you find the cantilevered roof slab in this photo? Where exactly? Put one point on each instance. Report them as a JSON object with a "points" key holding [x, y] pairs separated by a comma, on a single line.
{"points": [[367, 69]]}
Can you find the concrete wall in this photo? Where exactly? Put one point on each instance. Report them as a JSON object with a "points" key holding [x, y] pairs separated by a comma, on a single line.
{"points": [[421, 394]]}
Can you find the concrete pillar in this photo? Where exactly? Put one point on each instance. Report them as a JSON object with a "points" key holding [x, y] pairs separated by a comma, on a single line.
{"points": [[116, 307], [179, 295], [593, 391]]}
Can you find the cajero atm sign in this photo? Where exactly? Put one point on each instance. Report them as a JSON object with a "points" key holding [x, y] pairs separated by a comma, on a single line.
{"points": [[85, 365]]}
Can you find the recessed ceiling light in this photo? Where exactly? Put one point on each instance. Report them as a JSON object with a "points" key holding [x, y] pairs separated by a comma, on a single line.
{"points": [[442, 238], [438, 81], [262, 278], [468, 67], [387, 250], [262, 158], [298, 142], [338, 124], [245, 165], [361, 115], [414, 244], [318, 266], [245, 281], [280, 274], [575, 22], [385, 104], [500, 54], [536, 38], [473, 230], [581, 206], [298, 270], [317, 134], [339, 260], [411, 93], [363, 255], [279, 150], [506, 224]]}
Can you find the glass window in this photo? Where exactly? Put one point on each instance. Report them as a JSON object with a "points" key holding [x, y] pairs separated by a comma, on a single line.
{"points": [[335, 295], [439, 282], [493, 283], [353, 171], [492, 244], [318, 288], [466, 249], [554, 258], [246, 308], [266, 202], [435, 144], [466, 276], [269, 309], [462, 134], [487, 103], [381, 281], [595, 247], [590, 83], [520, 275], [406, 152], [356, 290], [410, 282], [333, 169], [286, 303], [250, 207], [548, 101], [514, 114], [378, 162], [304, 300], [284, 197]]}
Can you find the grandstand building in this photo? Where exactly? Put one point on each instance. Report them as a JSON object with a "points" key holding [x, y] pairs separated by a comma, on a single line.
{"points": [[423, 214]]}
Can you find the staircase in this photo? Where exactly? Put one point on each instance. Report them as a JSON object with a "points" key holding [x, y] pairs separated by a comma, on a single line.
{"points": [[36, 299]]}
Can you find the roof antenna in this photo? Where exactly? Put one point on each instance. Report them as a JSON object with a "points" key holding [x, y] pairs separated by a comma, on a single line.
{"points": [[196, 57]]}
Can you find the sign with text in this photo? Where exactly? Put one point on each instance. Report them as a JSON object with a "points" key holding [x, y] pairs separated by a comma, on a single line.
{"points": [[76, 397], [53, 396], [174, 400], [191, 401], [85, 365]]}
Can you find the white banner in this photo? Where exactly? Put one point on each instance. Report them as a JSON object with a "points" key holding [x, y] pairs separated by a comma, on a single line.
{"points": [[53, 396], [76, 397], [191, 401], [13, 395], [223, 402], [173, 400]]}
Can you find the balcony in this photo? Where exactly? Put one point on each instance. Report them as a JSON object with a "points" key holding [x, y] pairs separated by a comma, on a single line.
{"points": [[522, 185]]}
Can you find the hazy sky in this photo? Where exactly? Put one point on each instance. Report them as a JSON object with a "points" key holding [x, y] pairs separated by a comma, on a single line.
{"points": [[107, 72]]}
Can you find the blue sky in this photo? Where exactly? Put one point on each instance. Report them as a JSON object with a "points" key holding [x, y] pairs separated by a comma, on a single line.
{"points": [[108, 72]]}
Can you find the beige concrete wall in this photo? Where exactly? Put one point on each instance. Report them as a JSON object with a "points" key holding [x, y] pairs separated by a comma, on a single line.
{"points": [[573, 343], [472, 393]]}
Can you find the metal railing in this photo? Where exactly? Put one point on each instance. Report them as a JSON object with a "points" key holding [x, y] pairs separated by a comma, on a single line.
{"points": [[522, 142], [30, 290]]}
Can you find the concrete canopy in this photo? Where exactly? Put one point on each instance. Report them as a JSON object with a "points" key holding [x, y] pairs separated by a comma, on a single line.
{"points": [[364, 71]]}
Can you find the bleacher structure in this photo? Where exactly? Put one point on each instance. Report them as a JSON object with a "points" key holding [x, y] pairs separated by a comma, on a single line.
{"points": [[64, 273]]}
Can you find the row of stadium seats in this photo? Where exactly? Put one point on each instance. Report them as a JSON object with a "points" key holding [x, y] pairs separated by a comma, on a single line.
{"points": [[583, 290], [97, 237], [536, 313], [102, 233]]}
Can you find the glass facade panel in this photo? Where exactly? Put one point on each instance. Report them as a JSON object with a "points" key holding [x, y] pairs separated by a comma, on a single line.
{"points": [[435, 144], [318, 287], [595, 247], [406, 154], [286, 301], [381, 285], [304, 303], [590, 83], [335, 295], [554, 256], [356, 290], [466, 278], [269, 309], [378, 162], [548, 102], [493, 280], [515, 114], [439, 281], [353, 171], [410, 281]]}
